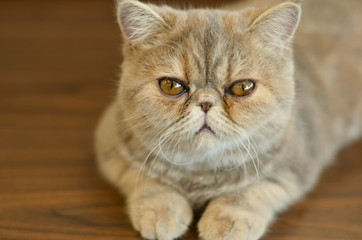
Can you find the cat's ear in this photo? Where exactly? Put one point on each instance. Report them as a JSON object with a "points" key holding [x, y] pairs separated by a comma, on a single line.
{"points": [[278, 24], [138, 21]]}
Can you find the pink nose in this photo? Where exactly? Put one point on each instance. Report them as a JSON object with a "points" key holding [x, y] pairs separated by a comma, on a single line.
{"points": [[205, 106]]}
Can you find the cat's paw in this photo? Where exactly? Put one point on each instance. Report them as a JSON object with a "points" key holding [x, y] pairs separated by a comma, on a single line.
{"points": [[230, 223], [163, 216]]}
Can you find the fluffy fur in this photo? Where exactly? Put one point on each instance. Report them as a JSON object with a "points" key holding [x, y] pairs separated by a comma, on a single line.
{"points": [[265, 150]]}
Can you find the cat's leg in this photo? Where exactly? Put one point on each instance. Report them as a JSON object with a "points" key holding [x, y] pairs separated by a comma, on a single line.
{"points": [[245, 215], [156, 211]]}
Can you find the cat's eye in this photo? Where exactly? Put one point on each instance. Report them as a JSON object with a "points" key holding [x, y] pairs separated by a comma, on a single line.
{"points": [[241, 88], [172, 86]]}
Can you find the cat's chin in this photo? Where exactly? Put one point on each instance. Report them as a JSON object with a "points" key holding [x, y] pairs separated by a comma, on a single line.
{"points": [[205, 129], [204, 139]]}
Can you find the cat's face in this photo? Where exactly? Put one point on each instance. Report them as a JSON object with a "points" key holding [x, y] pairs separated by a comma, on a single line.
{"points": [[204, 80]]}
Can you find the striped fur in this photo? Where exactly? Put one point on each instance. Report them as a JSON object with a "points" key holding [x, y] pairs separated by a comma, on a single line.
{"points": [[266, 150]]}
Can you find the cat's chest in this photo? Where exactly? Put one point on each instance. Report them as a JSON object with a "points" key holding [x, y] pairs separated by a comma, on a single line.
{"points": [[199, 187]]}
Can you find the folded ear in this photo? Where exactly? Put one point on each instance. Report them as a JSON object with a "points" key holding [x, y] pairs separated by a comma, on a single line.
{"points": [[277, 25], [138, 21]]}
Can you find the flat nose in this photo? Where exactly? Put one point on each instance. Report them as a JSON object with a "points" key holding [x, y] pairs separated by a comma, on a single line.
{"points": [[205, 106]]}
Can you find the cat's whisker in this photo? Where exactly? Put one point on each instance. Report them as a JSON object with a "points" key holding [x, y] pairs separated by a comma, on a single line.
{"points": [[150, 168], [162, 145], [255, 149], [235, 138], [171, 143], [176, 144], [153, 146], [236, 134], [163, 137], [222, 152], [158, 143], [161, 140], [246, 136], [256, 156], [248, 149], [239, 164], [252, 160], [176, 163]]}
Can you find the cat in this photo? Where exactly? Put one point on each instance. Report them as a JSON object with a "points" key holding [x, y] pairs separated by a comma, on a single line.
{"points": [[233, 112]]}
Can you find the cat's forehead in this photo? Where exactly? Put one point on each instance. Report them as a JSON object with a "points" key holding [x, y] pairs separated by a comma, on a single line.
{"points": [[204, 47], [206, 27], [201, 20]]}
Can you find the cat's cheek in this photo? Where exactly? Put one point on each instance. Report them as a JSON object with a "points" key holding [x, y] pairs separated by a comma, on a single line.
{"points": [[164, 110], [238, 108], [151, 101], [228, 102], [174, 106]]}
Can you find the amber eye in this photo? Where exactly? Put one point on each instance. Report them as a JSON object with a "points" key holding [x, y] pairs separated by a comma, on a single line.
{"points": [[241, 88], [172, 86]]}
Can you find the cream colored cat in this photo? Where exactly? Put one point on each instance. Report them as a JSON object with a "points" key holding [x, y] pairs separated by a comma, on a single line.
{"points": [[212, 111]]}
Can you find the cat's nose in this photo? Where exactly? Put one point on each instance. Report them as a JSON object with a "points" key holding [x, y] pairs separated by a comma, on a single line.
{"points": [[205, 106]]}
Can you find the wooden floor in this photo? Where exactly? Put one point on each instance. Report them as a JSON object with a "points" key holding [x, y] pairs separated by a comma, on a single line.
{"points": [[58, 70]]}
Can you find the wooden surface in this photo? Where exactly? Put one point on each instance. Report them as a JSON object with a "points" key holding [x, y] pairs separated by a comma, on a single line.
{"points": [[58, 69]]}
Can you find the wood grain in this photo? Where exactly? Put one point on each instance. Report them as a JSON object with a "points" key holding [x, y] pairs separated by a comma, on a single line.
{"points": [[58, 70]]}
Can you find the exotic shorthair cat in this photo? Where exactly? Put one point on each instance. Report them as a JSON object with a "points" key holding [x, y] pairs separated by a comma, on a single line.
{"points": [[222, 111]]}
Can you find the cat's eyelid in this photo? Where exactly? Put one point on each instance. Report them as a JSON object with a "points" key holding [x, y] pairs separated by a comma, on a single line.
{"points": [[227, 89], [184, 83], [232, 82]]}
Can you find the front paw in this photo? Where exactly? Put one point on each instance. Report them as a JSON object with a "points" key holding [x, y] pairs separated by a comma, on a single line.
{"points": [[231, 223], [163, 216]]}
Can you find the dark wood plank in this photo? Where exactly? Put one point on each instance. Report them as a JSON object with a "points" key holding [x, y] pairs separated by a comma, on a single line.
{"points": [[58, 66]]}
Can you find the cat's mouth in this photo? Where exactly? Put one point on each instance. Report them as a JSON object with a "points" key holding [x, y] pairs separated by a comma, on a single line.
{"points": [[205, 129]]}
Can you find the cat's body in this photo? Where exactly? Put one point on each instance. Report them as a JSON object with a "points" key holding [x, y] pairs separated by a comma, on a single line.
{"points": [[296, 126]]}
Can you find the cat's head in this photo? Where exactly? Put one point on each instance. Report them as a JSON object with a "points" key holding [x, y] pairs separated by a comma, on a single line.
{"points": [[206, 80]]}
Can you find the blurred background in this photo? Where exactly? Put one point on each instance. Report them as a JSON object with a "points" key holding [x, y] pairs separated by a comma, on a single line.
{"points": [[59, 64]]}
